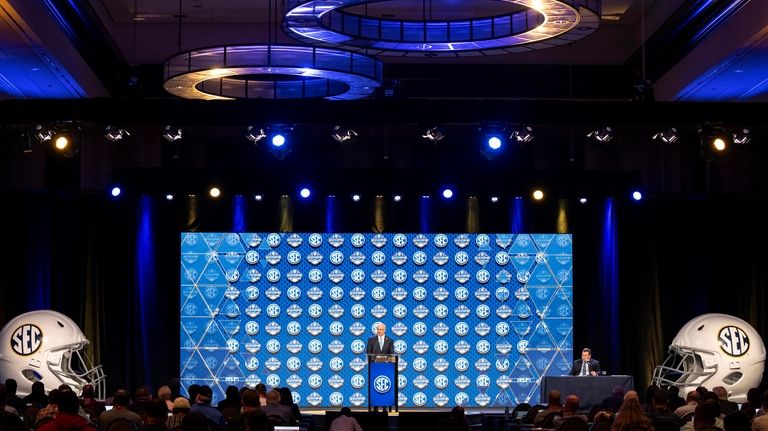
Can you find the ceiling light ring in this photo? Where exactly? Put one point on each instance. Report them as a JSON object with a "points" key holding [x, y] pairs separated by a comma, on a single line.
{"points": [[202, 73], [557, 22]]}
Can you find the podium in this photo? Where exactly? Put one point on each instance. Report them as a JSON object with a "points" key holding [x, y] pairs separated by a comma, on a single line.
{"points": [[382, 381]]}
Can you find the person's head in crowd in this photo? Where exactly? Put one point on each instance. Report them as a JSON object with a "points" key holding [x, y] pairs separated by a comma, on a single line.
{"points": [[67, 402], [88, 391], [630, 413], [754, 396], [273, 398], [38, 388], [553, 398], [346, 411], [10, 387], [710, 396], [693, 396], [618, 391], [164, 393], [181, 405], [121, 398], [64, 387], [232, 393], [737, 421], [632, 395], [142, 393], [192, 390], [250, 400], [204, 395], [53, 396], [571, 406], [705, 414], [721, 392], [156, 412], [286, 398], [660, 399], [673, 391], [604, 416], [702, 391], [194, 422], [255, 420], [458, 413]]}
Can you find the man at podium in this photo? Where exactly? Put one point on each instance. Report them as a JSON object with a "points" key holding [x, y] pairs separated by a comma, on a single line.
{"points": [[380, 344]]}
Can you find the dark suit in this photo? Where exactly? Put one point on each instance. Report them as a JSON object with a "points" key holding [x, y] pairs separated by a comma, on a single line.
{"points": [[374, 349], [594, 365]]}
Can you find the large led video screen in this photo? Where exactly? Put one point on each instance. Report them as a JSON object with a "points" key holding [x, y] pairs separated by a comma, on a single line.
{"points": [[477, 319]]}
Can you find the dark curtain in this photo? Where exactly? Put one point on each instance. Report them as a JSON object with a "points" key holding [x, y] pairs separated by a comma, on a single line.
{"points": [[677, 258]]}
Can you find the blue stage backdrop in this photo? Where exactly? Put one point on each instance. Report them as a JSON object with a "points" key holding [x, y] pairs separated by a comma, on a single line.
{"points": [[477, 319]]}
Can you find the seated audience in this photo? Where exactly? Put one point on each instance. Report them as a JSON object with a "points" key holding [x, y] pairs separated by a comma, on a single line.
{"points": [[8, 420], [203, 405], [276, 409], [37, 397], [345, 422], [726, 407], [631, 414], [616, 399], [553, 408], [256, 420], [570, 409], [250, 402], [164, 394], [691, 401], [179, 411], [120, 401], [67, 417]]}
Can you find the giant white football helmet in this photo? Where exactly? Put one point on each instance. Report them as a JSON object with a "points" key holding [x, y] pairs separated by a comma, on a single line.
{"points": [[47, 346], [714, 350]]}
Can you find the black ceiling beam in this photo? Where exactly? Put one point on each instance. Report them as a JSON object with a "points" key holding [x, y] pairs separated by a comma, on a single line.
{"points": [[382, 111]]}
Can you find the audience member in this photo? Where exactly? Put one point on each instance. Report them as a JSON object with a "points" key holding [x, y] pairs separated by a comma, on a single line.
{"points": [[10, 396], [256, 420], [195, 422], [164, 393], [570, 409], [675, 400], [8, 420], [286, 399], [203, 405], [553, 408], [155, 414], [276, 409], [142, 396], [261, 389], [760, 422], [691, 401], [37, 397], [120, 401], [457, 421], [736, 421], [706, 417], [50, 410], [754, 399], [250, 402], [345, 422], [90, 404], [726, 407], [67, 417], [631, 414], [179, 411], [659, 411], [231, 400]]}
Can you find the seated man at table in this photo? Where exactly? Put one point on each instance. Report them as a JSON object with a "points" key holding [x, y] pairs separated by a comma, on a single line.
{"points": [[586, 366]]}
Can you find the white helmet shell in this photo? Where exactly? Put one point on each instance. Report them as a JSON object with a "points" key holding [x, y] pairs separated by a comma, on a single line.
{"points": [[714, 350], [47, 346]]}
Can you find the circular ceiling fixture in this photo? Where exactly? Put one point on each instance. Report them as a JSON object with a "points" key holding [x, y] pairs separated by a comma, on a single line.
{"points": [[270, 71], [527, 25]]}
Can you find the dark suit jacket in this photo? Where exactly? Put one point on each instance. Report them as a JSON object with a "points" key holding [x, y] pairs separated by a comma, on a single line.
{"points": [[594, 365], [373, 346]]}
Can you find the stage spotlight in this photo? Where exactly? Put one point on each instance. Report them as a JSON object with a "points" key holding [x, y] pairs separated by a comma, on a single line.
{"points": [[582, 200], [494, 139], [65, 144], [305, 193], [434, 134], [258, 198], [343, 135], [215, 192], [254, 134], [116, 191], [279, 138], [714, 141], [171, 133], [522, 134], [602, 136], [356, 198], [447, 193], [741, 136], [114, 133], [397, 198], [667, 136], [637, 195], [538, 194], [169, 197], [494, 199], [43, 134]]}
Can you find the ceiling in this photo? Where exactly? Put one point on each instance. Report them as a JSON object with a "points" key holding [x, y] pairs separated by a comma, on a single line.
{"points": [[688, 50]]}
